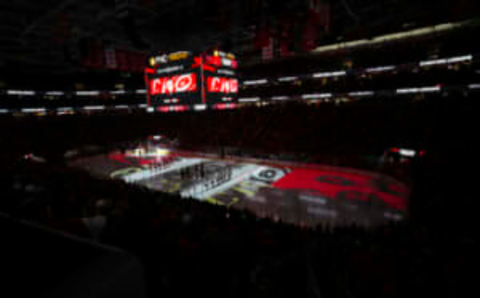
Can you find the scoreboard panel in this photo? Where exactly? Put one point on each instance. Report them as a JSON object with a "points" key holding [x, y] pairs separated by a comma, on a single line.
{"points": [[181, 80], [171, 80], [220, 78]]}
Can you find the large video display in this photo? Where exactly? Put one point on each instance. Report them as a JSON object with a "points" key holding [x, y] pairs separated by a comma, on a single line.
{"points": [[220, 78], [186, 81]]}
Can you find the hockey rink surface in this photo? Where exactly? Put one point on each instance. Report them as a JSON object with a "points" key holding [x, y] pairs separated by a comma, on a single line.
{"points": [[303, 194]]}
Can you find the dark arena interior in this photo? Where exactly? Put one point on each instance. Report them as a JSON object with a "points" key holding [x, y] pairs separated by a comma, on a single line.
{"points": [[227, 148]]}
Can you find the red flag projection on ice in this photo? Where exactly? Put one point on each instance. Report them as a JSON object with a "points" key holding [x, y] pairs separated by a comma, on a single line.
{"points": [[345, 186], [174, 84], [222, 85]]}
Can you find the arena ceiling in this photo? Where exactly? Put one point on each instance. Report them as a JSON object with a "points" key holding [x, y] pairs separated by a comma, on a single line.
{"points": [[38, 36]]}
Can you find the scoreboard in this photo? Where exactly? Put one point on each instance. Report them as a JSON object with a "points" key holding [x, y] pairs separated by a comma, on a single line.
{"points": [[182, 81], [220, 78]]}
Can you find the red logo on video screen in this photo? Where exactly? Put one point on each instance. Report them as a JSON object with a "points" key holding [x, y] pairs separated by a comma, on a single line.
{"points": [[174, 84], [222, 85]]}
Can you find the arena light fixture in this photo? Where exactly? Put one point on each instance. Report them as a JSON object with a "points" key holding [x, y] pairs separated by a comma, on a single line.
{"points": [[392, 36], [63, 109], [419, 90], [407, 90], [380, 68], [430, 89], [34, 110], [94, 108], [287, 79], [329, 74], [141, 91], [442, 61], [342, 45], [121, 107], [117, 92], [226, 72], [87, 93], [361, 93], [21, 92], [55, 93], [280, 98], [249, 99], [474, 86], [316, 95], [4, 111], [460, 59], [200, 107], [255, 82], [407, 152], [433, 62]]}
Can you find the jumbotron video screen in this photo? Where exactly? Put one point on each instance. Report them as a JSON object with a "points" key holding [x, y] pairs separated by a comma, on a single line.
{"points": [[182, 81]]}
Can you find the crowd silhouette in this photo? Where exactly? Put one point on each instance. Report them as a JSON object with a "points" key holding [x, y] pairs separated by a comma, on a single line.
{"points": [[189, 247]]}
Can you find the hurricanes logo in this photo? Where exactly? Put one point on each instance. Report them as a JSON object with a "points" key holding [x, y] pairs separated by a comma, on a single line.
{"points": [[268, 175]]}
